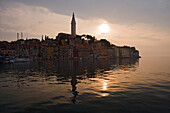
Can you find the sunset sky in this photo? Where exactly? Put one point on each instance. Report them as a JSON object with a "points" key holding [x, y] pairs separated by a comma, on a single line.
{"points": [[144, 24]]}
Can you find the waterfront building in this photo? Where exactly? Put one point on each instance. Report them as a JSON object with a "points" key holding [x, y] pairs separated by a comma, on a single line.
{"points": [[116, 51], [65, 52], [134, 53], [8, 52], [95, 47], [110, 52], [7, 48], [43, 50], [104, 52], [49, 49], [32, 48], [56, 52], [21, 49], [124, 52], [83, 51], [50, 53], [103, 45], [33, 51]]}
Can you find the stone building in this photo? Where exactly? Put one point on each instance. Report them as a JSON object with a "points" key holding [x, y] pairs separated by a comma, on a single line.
{"points": [[65, 52], [124, 52]]}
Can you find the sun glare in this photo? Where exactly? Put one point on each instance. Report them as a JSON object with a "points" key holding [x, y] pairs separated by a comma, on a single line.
{"points": [[104, 28]]}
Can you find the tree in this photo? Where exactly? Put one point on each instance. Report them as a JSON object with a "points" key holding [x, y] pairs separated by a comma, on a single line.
{"points": [[105, 42], [91, 38]]}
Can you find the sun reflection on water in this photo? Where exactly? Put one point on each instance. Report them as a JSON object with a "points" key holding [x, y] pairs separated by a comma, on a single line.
{"points": [[104, 85], [105, 94]]}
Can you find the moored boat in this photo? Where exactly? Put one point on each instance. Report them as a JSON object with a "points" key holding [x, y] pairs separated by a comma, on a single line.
{"points": [[21, 59]]}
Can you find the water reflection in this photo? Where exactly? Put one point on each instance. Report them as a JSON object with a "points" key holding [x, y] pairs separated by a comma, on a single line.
{"points": [[63, 81], [73, 84], [104, 85], [66, 68]]}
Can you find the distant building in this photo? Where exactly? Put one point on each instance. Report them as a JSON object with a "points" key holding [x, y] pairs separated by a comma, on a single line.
{"points": [[64, 39], [83, 51], [65, 52], [95, 49], [124, 52], [43, 50], [134, 53], [56, 52], [7, 48], [32, 48], [8, 52], [116, 51], [50, 53], [110, 52], [104, 52]]}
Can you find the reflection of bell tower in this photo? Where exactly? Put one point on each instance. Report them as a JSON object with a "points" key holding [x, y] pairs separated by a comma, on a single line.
{"points": [[73, 27], [73, 83]]}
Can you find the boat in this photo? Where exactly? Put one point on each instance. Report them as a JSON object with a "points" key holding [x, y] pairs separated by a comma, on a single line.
{"points": [[21, 59]]}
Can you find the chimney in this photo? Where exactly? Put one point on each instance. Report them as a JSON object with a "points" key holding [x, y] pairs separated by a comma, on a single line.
{"points": [[17, 36], [21, 35]]}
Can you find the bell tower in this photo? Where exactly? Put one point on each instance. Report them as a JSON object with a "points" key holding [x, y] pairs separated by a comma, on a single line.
{"points": [[73, 27]]}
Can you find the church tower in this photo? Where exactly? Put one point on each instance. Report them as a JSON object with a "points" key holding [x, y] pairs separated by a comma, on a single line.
{"points": [[73, 27]]}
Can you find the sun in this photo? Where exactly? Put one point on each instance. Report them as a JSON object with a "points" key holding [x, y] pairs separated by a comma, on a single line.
{"points": [[104, 28]]}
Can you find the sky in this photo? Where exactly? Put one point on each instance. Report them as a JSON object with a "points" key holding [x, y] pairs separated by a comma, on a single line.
{"points": [[144, 24]]}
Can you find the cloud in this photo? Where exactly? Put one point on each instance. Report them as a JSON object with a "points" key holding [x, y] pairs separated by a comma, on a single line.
{"points": [[35, 21], [32, 20]]}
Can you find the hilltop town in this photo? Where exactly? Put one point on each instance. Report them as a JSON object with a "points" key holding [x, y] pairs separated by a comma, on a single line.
{"points": [[66, 46]]}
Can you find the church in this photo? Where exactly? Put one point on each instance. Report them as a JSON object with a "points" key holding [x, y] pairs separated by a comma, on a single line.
{"points": [[67, 39]]}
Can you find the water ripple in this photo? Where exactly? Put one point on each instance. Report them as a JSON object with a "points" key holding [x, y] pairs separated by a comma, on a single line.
{"points": [[84, 86]]}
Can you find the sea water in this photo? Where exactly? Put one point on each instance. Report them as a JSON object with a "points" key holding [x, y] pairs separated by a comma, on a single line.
{"points": [[86, 86]]}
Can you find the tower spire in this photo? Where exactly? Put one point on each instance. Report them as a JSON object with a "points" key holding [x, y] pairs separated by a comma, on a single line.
{"points": [[73, 21], [73, 26]]}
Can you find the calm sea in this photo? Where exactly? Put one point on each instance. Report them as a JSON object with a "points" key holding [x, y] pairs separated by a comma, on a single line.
{"points": [[86, 86]]}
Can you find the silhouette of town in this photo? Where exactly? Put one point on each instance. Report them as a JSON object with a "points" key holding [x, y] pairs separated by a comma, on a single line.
{"points": [[65, 46]]}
